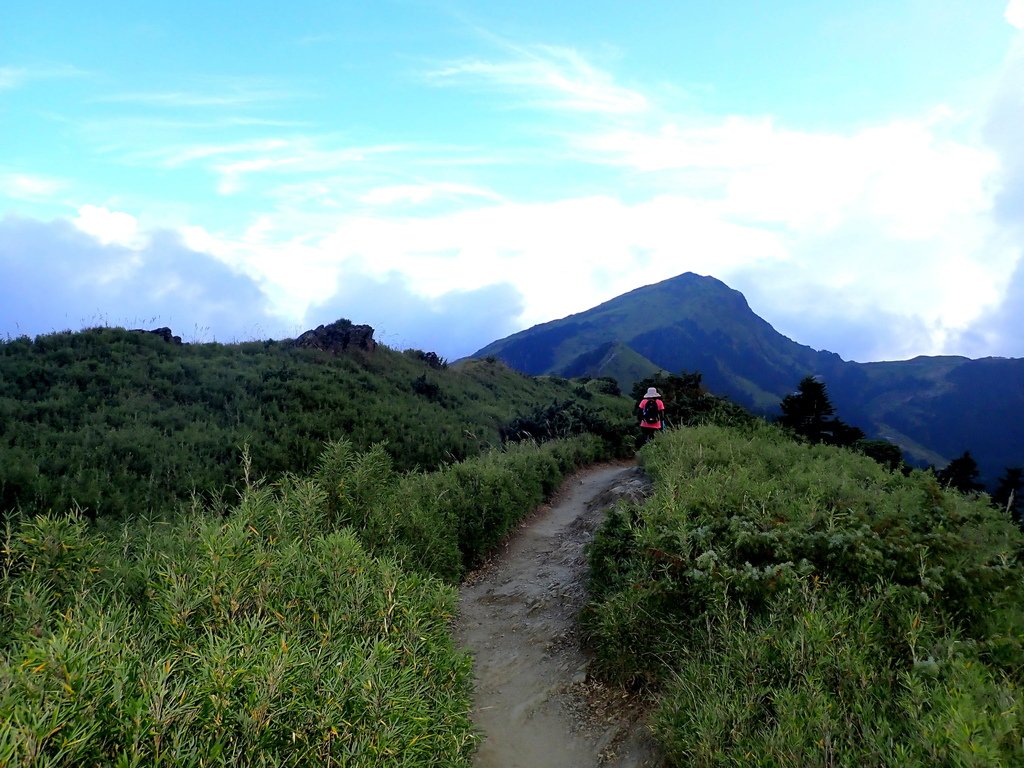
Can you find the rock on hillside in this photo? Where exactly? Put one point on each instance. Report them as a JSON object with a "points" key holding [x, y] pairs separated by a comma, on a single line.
{"points": [[338, 337], [164, 333]]}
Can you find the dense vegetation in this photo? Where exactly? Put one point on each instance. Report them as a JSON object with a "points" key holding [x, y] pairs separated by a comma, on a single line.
{"points": [[233, 555], [269, 577], [797, 604], [306, 625], [114, 422], [688, 403]]}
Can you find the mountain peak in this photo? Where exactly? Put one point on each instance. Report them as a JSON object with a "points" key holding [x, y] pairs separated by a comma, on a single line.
{"points": [[693, 289], [697, 323], [669, 325]]}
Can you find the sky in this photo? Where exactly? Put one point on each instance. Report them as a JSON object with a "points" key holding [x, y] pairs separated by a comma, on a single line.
{"points": [[451, 172]]}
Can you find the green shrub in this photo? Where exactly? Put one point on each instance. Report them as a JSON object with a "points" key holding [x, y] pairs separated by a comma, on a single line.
{"points": [[579, 415], [468, 508], [304, 624], [817, 680], [265, 638], [791, 601]]}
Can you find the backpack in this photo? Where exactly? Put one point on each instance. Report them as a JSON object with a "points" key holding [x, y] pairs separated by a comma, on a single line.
{"points": [[650, 412]]}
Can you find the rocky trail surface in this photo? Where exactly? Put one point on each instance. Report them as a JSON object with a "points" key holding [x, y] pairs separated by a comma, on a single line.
{"points": [[535, 702]]}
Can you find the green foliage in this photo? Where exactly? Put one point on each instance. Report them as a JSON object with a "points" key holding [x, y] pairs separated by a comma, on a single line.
{"points": [[113, 422], [270, 637], [432, 359], [604, 385], [449, 521], [307, 621], [687, 402], [810, 413], [421, 385], [580, 415], [885, 453], [961, 474], [792, 604], [799, 604], [303, 625], [814, 680]]}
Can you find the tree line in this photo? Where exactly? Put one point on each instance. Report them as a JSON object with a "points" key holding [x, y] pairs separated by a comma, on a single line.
{"points": [[808, 412]]}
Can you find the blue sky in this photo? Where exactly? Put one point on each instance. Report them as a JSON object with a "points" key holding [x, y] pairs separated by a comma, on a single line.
{"points": [[452, 172]]}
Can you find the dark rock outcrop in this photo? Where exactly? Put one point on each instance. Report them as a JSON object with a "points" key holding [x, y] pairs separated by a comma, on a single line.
{"points": [[337, 337], [164, 333]]}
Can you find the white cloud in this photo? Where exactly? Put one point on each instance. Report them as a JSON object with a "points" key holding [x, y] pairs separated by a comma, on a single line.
{"points": [[895, 217], [109, 227], [1014, 13], [229, 92], [893, 220], [456, 324], [560, 257], [417, 194], [175, 157], [293, 274], [12, 77], [24, 186], [60, 277], [902, 173], [16, 77], [295, 157], [548, 76]]}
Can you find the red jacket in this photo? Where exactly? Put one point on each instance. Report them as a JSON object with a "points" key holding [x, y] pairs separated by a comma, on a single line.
{"points": [[661, 410]]}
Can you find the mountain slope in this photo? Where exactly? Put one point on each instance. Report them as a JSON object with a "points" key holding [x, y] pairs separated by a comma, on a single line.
{"points": [[933, 407], [613, 359], [688, 322], [119, 422]]}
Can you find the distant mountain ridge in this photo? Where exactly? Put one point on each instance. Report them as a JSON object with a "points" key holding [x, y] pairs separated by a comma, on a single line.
{"points": [[934, 408]]}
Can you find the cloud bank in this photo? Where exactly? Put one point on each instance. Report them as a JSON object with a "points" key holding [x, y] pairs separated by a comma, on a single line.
{"points": [[1014, 13], [454, 324], [898, 236], [57, 277]]}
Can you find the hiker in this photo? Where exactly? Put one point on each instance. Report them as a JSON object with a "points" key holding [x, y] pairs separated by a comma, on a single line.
{"points": [[652, 415]]}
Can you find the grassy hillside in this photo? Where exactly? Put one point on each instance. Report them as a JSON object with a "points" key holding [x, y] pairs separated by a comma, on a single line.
{"points": [[787, 604], [613, 360], [116, 422], [307, 624], [798, 605], [269, 583]]}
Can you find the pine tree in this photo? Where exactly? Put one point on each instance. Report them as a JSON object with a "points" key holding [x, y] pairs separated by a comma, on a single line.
{"points": [[961, 474], [810, 413]]}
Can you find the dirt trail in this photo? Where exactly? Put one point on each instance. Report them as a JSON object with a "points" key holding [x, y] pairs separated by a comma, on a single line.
{"points": [[534, 701]]}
